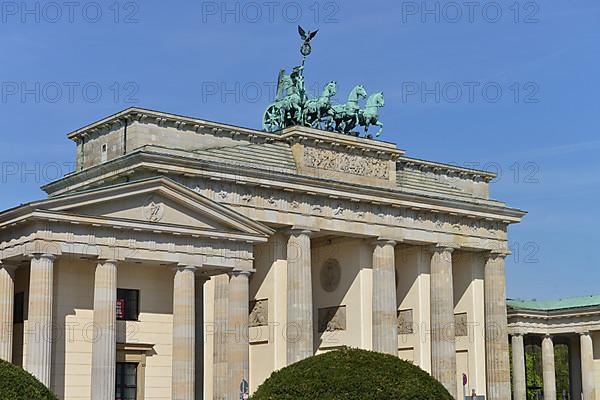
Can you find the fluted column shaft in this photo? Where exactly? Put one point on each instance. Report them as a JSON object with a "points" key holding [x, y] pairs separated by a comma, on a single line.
{"points": [[184, 332], [220, 370], [7, 298], [238, 349], [443, 347], [548, 371], [519, 379], [104, 349], [385, 320], [587, 366], [299, 328], [199, 323], [39, 327], [496, 335]]}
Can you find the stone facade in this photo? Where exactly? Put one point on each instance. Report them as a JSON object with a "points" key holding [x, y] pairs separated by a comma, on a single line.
{"points": [[250, 251]]}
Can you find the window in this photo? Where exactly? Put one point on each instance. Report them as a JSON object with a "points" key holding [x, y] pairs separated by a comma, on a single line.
{"points": [[104, 153], [126, 381], [127, 304], [19, 308]]}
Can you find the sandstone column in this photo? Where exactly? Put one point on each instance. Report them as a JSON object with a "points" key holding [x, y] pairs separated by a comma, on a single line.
{"points": [[184, 329], [518, 355], [39, 329], [104, 350], [385, 320], [299, 328], [199, 353], [238, 349], [587, 366], [220, 370], [548, 372], [7, 297], [496, 330], [443, 347]]}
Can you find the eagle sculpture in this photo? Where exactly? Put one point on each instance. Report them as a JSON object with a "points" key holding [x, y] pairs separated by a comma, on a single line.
{"points": [[306, 37]]}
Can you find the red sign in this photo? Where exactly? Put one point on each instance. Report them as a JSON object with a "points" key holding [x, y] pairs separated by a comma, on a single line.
{"points": [[120, 308]]}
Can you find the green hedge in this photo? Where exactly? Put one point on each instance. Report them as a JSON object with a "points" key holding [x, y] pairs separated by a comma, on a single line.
{"points": [[351, 374], [18, 384]]}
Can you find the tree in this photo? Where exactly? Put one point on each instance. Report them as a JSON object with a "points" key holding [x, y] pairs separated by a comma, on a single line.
{"points": [[18, 384], [351, 374]]}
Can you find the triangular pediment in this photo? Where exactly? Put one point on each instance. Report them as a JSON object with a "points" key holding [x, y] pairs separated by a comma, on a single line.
{"points": [[158, 201]]}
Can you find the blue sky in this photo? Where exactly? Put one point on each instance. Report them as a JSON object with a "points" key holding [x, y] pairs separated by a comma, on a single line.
{"points": [[511, 87]]}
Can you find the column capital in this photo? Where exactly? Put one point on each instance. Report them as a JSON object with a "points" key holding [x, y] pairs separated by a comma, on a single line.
{"points": [[238, 272], [202, 276], [497, 254], [443, 248], [382, 241], [46, 256], [299, 229], [108, 261], [185, 267], [586, 333]]}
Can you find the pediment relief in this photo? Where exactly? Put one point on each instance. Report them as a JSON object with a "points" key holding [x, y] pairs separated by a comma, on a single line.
{"points": [[153, 207], [157, 201]]}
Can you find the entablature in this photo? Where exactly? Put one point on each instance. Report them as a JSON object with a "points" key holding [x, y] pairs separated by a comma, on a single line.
{"points": [[76, 238], [144, 164], [554, 322]]}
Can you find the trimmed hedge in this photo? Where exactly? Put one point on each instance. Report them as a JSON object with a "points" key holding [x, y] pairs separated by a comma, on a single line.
{"points": [[351, 374], [18, 384]]}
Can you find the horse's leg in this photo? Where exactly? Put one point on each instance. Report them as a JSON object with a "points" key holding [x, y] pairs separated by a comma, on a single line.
{"points": [[340, 125], [332, 124], [380, 125], [348, 126], [305, 115], [298, 114]]}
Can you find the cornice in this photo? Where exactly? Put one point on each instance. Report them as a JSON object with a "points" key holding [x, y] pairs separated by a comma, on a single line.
{"points": [[340, 142], [170, 164], [581, 312], [127, 224], [447, 169], [159, 118]]}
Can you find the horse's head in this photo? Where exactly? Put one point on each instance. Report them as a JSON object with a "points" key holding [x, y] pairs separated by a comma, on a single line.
{"points": [[357, 93], [331, 88], [376, 100]]}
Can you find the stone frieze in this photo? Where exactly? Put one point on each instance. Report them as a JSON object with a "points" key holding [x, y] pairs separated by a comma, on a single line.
{"points": [[347, 163]]}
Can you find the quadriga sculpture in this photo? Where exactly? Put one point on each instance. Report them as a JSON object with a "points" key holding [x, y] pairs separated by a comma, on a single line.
{"points": [[292, 106]]}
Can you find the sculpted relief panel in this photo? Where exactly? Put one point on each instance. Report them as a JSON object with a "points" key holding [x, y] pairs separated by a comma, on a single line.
{"points": [[405, 322], [296, 203], [461, 325], [347, 163], [332, 319], [259, 313]]}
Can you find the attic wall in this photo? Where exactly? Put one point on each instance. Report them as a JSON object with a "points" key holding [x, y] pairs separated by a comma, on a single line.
{"points": [[89, 151], [480, 189], [141, 134]]}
